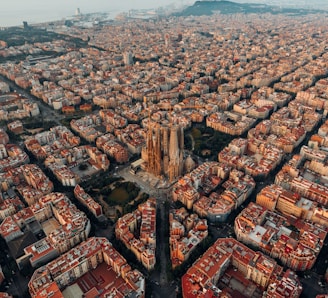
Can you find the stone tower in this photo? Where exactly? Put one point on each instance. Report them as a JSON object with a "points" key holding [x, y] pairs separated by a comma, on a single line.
{"points": [[163, 154]]}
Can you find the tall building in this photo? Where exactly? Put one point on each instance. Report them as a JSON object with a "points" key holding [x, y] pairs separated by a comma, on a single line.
{"points": [[163, 154], [167, 40], [128, 58]]}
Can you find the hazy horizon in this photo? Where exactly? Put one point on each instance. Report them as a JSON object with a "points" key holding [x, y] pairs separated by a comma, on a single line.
{"points": [[14, 12]]}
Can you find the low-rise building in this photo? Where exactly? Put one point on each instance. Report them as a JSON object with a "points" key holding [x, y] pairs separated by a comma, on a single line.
{"points": [[87, 201], [290, 203], [141, 222], [54, 214], [203, 278], [254, 158], [274, 234], [52, 279], [186, 232]]}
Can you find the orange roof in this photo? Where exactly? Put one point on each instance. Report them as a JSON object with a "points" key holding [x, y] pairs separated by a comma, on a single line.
{"points": [[52, 291]]}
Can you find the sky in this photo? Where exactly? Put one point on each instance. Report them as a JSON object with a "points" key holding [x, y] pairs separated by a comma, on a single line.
{"points": [[96, 5], [84, 5], [14, 12]]}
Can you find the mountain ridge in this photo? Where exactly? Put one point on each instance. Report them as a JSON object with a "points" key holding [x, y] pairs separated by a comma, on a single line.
{"points": [[229, 7]]}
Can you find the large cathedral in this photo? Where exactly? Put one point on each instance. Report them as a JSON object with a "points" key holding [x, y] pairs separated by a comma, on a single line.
{"points": [[164, 154]]}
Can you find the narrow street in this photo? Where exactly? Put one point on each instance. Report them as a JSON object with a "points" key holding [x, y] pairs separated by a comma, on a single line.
{"points": [[161, 246], [159, 283]]}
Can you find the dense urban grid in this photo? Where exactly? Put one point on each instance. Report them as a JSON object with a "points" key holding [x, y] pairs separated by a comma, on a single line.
{"points": [[165, 157]]}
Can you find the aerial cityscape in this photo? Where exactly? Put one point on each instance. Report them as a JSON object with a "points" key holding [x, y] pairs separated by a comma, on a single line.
{"points": [[177, 151]]}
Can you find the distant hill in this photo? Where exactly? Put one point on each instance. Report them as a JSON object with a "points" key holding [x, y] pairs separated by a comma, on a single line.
{"points": [[228, 7]]}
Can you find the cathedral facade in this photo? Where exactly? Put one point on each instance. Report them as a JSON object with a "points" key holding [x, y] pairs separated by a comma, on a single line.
{"points": [[163, 154]]}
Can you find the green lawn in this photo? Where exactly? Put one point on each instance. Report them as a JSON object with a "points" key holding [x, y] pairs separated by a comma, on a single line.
{"points": [[119, 196], [206, 138]]}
